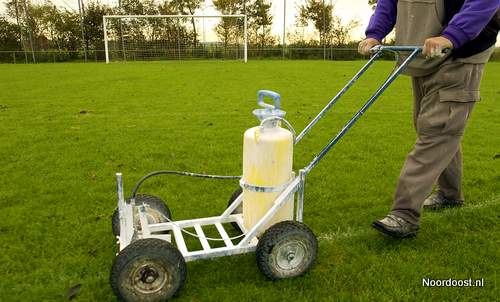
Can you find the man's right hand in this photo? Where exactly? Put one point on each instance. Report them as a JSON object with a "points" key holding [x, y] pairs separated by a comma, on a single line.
{"points": [[367, 44]]}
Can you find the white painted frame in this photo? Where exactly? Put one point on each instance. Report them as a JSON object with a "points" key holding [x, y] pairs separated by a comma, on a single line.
{"points": [[247, 244]]}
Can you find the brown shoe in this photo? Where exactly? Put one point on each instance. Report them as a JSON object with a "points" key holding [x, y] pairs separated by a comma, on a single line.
{"points": [[437, 201], [395, 226]]}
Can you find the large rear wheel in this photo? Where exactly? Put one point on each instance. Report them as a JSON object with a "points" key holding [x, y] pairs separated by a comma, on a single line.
{"points": [[148, 270], [287, 249]]}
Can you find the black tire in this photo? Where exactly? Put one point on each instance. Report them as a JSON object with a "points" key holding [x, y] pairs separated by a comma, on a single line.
{"points": [[238, 210], [287, 249], [148, 270], [156, 210]]}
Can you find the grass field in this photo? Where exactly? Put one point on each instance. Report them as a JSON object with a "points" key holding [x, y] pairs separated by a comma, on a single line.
{"points": [[65, 129]]}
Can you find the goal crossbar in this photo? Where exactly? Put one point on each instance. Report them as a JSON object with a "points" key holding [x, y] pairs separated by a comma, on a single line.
{"points": [[104, 24]]}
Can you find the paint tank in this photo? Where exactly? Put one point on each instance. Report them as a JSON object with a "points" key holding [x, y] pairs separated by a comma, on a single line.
{"points": [[267, 162]]}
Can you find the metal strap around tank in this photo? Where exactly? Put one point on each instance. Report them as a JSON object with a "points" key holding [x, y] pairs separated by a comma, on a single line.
{"points": [[264, 189], [367, 105]]}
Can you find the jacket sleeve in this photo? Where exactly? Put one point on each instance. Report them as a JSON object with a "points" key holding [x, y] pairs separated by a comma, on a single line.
{"points": [[383, 19], [470, 21]]}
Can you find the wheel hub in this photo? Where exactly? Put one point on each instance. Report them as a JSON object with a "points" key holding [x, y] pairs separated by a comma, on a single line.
{"points": [[290, 255], [149, 278], [149, 275]]}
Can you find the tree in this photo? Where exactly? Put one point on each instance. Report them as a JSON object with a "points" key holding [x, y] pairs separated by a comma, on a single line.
{"points": [[188, 7], [341, 33], [92, 24], [228, 28], [9, 35], [169, 30], [50, 27], [321, 17], [137, 28], [330, 27], [261, 21]]}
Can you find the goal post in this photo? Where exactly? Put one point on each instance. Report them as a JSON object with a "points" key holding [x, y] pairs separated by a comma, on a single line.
{"points": [[148, 37]]}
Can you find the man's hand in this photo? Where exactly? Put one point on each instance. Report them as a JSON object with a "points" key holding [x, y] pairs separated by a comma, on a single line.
{"points": [[367, 44], [433, 47]]}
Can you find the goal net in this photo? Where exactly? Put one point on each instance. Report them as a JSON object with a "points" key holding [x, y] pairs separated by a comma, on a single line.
{"points": [[175, 37]]}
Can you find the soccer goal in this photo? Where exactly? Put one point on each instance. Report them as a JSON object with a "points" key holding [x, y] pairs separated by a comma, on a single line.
{"points": [[175, 37]]}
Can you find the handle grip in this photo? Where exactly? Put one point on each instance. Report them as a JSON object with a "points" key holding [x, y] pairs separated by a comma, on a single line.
{"points": [[271, 94], [378, 48]]}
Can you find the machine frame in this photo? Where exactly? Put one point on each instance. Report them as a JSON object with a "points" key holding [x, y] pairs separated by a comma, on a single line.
{"points": [[127, 209]]}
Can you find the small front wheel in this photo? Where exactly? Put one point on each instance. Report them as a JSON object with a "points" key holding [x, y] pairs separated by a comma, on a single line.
{"points": [[286, 250], [148, 270]]}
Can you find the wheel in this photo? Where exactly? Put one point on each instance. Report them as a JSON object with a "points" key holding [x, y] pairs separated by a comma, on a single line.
{"points": [[148, 270], [238, 209], [285, 250], [156, 211]]}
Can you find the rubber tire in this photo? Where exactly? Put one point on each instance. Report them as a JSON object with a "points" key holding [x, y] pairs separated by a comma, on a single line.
{"points": [[238, 210], [278, 234], [154, 202], [150, 249]]}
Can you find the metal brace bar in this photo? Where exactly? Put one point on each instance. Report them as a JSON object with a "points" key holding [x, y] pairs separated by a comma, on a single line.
{"points": [[223, 234], [203, 240], [165, 226], [236, 203], [126, 215], [278, 203], [165, 237], [220, 252], [144, 221], [179, 240], [300, 196], [239, 221]]}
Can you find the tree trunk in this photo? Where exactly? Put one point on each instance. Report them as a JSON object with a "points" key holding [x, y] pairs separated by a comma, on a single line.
{"points": [[262, 40], [191, 12]]}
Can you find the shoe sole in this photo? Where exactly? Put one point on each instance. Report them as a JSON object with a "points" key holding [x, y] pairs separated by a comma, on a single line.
{"points": [[380, 227]]}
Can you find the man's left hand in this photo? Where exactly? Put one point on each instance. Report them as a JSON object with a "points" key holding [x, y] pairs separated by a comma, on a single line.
{"points": [[433, 47]]}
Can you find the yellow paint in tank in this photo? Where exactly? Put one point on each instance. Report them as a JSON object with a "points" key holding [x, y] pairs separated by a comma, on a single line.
{"points": [[267, 161]]}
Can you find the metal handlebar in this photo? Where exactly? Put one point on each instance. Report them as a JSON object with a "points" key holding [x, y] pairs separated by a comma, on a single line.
{"points": [[378, 48], [377, 52], [274, 95]]}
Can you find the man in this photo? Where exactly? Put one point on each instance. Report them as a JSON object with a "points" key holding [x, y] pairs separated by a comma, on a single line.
{"points": [[445, 89]]}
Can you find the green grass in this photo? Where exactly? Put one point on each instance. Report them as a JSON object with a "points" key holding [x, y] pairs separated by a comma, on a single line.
{"points": [[65, 129]]}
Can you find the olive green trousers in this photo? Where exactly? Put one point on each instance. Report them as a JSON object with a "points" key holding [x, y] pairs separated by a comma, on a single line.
{"points": [[443, 102]]}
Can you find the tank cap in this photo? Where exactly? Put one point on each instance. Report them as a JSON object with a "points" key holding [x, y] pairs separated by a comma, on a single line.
{"points": [[268, 110]]}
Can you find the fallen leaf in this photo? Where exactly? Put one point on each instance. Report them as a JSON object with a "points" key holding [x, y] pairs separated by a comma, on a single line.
{"points": [[73, 291]]}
